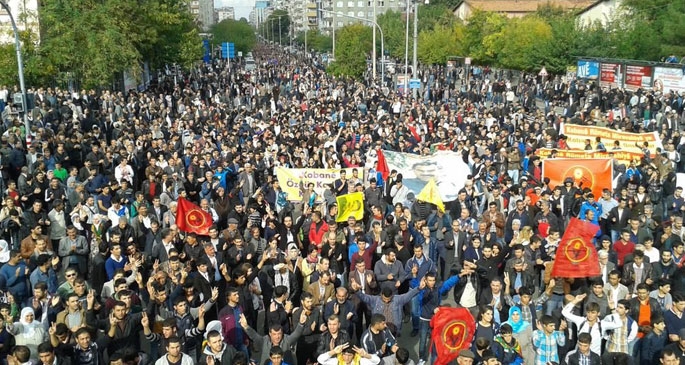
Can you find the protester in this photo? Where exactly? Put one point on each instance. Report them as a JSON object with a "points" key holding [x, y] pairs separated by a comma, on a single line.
{"points": [[173, 199]]}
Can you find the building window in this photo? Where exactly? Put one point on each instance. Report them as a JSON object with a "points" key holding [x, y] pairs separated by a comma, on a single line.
{"points": [[360, 14], [339, 4], [350, 13], [360, 4], [350, 4], [340, 24], [381, 3]]}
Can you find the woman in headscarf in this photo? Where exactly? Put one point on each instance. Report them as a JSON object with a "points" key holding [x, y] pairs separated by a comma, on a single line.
{"points": [[523, 333], [28, 331]]}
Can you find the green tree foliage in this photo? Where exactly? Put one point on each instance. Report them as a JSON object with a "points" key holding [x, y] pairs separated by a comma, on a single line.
{"points": [[274, 28], [482, 34], [237, 32], [94, 40], [316, 41], [353, 43], [394, 30], [437, 44]]}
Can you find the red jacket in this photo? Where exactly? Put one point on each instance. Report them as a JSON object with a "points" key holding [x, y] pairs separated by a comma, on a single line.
{"points": [[316, 235]]}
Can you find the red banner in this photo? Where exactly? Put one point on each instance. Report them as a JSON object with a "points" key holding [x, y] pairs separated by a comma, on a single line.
{"points": [[191, 218], [638, 77], [453, 331], [593, 173], [576, 255]]}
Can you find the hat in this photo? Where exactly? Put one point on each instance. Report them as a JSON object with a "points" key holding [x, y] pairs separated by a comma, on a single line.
{"points": [[605, 238], [292, 246], [568, 180], [468, 354], [232, 221]]}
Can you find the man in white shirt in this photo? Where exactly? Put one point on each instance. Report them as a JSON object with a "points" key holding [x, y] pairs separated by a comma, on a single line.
{"points": [[347, 355], [588, 324]]}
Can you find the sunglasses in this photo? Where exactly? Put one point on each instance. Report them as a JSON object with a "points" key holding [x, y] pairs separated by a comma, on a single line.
{"points": [[70, 275]]}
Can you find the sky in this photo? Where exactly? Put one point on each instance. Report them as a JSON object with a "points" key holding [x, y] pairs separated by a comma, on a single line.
{"points": [[242, 7]]}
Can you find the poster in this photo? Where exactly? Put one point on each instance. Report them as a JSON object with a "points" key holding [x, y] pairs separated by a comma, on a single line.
{"points": [[577, 134], [588, 70], [293, 181], [667, 79], [611, 75], [638, 77], [447, 168], [593, 173]]}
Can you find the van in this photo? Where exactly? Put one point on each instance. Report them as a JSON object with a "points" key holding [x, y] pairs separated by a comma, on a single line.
{"points": [[250, 64]]}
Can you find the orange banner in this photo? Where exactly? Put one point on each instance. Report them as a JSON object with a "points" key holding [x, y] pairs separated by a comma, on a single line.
{"points": [[621, 156], [577, 134], [593, 173]]}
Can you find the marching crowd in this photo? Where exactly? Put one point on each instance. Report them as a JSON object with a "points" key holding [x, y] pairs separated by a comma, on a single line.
{"points": [[95, 269]]}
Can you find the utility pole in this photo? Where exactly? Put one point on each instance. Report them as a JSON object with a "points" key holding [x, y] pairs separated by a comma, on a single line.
{"points": [[374, 42], [416, 39], [281, 43], [20, 70], [406, 51]]}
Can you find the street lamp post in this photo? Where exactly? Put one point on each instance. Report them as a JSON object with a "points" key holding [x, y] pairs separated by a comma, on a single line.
{"points": [[416, 37], [20, 67], [280, 42], [372, 22]]}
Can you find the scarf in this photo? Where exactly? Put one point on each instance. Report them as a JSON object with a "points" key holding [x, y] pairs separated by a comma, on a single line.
{"points": [[521, 324], [514, 347], [29, 329]]}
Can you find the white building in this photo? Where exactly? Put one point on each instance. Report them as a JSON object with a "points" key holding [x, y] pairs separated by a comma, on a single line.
{"points": [[602, 12], [227, 12], [19, 8], [203, 10]]}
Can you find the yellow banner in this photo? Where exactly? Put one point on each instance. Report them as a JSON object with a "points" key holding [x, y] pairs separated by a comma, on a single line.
{"points": [[623, 157], [430, 194], [294, 181], [350, 205], [577, 134]]}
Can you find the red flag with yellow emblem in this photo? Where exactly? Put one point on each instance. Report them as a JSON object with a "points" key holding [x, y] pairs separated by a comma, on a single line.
{"points": [[453, 331], [191, 218], [576, 255]]}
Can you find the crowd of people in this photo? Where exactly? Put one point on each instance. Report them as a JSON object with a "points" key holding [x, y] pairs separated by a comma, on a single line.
{"points": [[95, 269]]}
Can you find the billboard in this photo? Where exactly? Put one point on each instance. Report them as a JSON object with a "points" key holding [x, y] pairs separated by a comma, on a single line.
{"points": [[611, 75], [638, 77], [588, 70], [667, 79]]}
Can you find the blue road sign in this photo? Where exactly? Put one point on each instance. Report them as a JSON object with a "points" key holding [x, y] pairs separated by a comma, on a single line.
{"points": [[414, 83]]}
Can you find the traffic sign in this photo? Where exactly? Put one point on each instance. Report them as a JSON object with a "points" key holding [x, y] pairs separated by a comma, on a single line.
{"points": [[227, 50], [467, 60], [415, 84]]}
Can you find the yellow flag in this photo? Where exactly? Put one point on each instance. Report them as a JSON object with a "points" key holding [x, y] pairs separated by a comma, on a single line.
{"points": [[350, 205], [430, 194]]}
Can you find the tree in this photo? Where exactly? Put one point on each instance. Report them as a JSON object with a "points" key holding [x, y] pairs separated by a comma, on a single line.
{"points": [[394, 28], [277, 32], [437, 44], [482, 34], [315, 40], [521, 41], [353, 43], [237, 32]]}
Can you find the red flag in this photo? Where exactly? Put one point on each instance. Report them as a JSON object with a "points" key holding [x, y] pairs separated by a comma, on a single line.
{"points": [[382, 165], [453, 331], [191, 218], [416, 135], [576, 255]]}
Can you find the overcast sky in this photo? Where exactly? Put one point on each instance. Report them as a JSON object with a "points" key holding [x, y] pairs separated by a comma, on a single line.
{"points": [[242, 7]]}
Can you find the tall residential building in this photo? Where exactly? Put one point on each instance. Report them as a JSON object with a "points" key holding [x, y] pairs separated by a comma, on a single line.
{"points": [[19, 8], [262, 10], [357, 8], [227, 12], [203, 11]]}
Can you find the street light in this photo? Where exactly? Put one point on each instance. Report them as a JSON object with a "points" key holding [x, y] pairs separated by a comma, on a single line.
{"points": [[416, 38], [20, 66], [375, 24]]}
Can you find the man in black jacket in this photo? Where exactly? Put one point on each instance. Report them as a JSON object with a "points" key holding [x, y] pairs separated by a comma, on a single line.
{"points": [[582, 355]]}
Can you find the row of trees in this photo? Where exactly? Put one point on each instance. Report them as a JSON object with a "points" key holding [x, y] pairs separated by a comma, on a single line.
{"points": [[94, 40], [550, 38]]}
